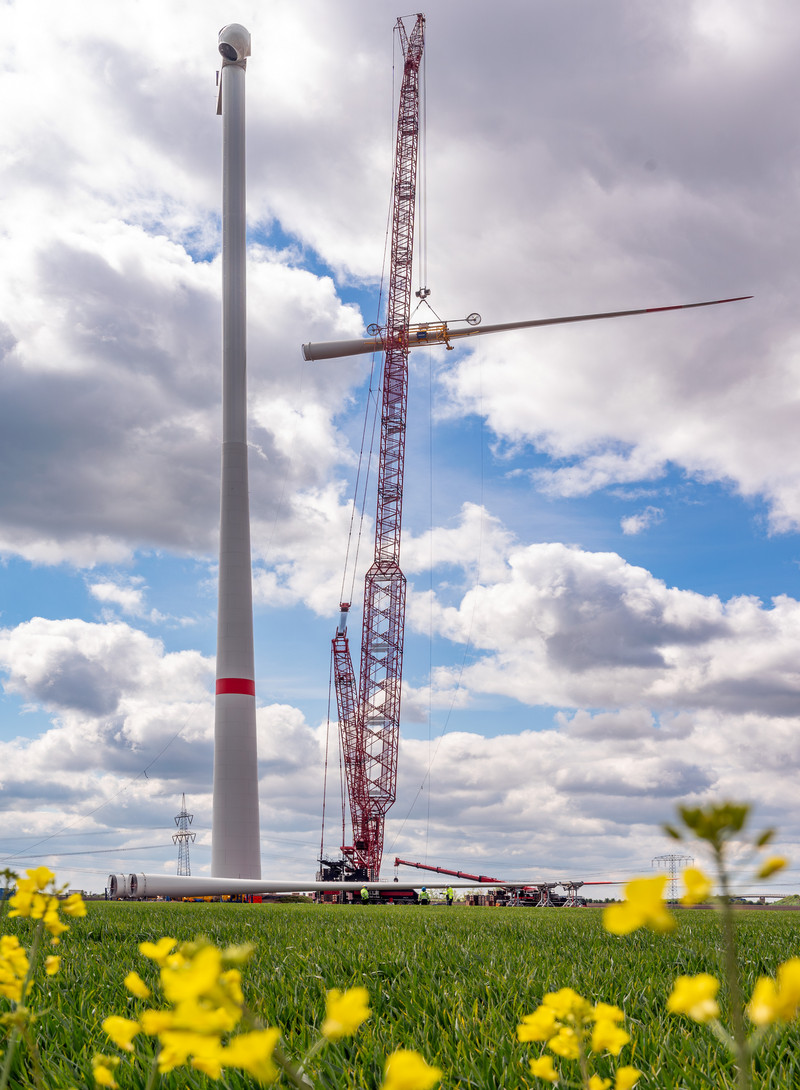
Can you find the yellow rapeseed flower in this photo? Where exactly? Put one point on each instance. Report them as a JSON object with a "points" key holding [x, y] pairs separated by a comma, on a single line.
{"points": [[643, 907], [238, 954], [194, 977], [73, 905], [345, 1012], [772, 866], [103, 1070], [179, 1047], [21, 902], [52, 964], [13, 967], [607, 1012], [31, 903], [35, 899], [206, 998], [762, 1009], [12, 952], [252, 1052], [626, 1078], [27, 900], [567, 1005], [42, 877], [543, 1068], [206, 1056], [51, 920], [206, 1005], [121, 1031], [197, 976], [607, 1036], [571, 1025], [158, 951], [539, 1026], [208, 1061], [204, 1016], [154, 1022], [41, 905], [695, 996], [698, 886], [136, 986], [596, 1083], [789, 988], [776, 1000], [566, 1043], [231, 983], [407, 1070]]}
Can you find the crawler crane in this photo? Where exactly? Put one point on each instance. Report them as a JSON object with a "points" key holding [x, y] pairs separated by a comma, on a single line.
{"points": [[369, 714], [369, 706]]}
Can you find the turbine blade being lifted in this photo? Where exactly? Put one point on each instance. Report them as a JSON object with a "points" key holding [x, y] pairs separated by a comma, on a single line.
{"points": [[441, 333]]}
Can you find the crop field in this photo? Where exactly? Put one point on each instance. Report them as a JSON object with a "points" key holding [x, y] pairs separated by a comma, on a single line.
{"points": [[452, 984]]}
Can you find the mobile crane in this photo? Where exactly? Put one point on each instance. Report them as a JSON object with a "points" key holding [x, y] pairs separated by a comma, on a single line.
{"points": [[369, 706]]}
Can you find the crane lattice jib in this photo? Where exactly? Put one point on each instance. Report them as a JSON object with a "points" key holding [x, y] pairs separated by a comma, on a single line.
{"points": [[346, 690], [370, 727]]}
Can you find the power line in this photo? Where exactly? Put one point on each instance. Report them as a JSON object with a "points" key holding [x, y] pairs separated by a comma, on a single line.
{"points": [[86, 851], [122, 789]]}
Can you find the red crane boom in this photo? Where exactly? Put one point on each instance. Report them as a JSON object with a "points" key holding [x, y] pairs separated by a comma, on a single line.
{"points": [[369, 719], [443, 870]]}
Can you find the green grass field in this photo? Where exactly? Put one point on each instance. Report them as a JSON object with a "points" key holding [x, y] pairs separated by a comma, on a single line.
{"points": [[450, 983]]}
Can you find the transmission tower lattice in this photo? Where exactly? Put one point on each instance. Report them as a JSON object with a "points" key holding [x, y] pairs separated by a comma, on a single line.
{"points": [[674, 864], [183, 837]]}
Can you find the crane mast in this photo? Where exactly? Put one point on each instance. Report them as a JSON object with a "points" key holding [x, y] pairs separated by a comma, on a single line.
{"points": [[369, 716]]}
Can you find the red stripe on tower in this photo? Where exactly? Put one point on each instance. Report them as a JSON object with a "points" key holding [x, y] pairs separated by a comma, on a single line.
{"points": [[244, 685]]}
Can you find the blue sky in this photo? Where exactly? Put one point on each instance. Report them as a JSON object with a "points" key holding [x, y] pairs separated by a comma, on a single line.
{"points": [[600, 521]]}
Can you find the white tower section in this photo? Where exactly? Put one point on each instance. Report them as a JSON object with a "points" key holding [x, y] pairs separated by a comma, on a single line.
{"points": [[235, 835]]}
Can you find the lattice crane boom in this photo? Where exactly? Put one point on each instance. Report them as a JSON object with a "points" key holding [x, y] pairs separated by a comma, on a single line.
{"points": [[369, 720]]}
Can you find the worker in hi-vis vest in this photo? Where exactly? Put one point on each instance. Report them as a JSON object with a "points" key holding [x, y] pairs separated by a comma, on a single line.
{"points": [[364, 895], [449, 895], [423, 896]]}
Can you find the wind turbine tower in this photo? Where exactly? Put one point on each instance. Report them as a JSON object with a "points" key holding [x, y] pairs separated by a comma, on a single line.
{"points": [[235, 832]]}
